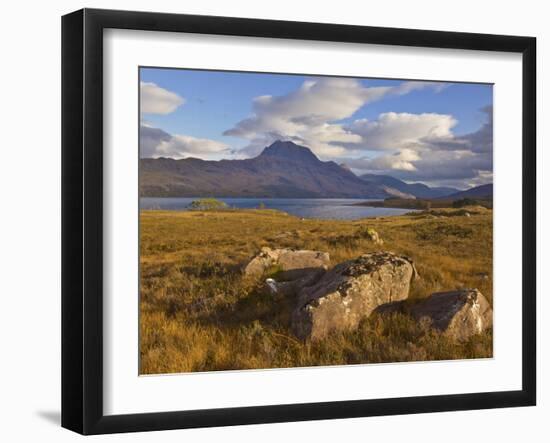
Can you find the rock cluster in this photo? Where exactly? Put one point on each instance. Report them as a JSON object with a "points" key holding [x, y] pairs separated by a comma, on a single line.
{"points": [[379, 282]]}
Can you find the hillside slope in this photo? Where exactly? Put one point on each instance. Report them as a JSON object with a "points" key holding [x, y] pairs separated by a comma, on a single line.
{"points": [[483, 191], [418, 190], [283, 170]]}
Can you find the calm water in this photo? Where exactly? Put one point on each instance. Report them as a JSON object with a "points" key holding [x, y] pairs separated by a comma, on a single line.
{"points": [[323, 208]]}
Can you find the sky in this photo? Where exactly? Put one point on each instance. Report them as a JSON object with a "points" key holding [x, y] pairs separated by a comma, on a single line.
{"points": [[438, 133]]}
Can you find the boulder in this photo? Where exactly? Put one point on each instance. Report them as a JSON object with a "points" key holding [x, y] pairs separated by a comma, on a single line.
{"points": [[350, 292], [300, 261], [457, 314]]}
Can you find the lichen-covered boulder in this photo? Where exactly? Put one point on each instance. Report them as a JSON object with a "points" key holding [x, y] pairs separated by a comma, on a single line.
{"points": [[350, 292], [457, 314], [287, 260]]}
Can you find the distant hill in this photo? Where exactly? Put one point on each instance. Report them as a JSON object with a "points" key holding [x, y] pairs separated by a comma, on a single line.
{"points": [[283, 170], [418, 190], [483, 191]]}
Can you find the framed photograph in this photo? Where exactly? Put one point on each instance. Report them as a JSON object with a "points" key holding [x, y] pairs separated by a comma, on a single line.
{"points": [[269, 221]]}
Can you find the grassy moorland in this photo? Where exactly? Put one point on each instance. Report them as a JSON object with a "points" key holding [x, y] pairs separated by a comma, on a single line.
{"points": [[199, 313]]}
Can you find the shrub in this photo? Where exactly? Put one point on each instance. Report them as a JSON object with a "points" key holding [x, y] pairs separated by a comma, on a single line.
{"points": [[206, 204], [465, 202]]}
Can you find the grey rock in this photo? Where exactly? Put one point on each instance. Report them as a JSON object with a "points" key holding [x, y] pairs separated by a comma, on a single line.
{"points": [[351, 291], [287, 260], [457, 314]]}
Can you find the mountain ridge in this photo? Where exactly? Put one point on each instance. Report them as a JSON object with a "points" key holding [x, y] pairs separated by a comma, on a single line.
{"points": [[282, 170]]}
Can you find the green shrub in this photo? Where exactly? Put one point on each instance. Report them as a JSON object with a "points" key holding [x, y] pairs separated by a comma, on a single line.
{"points": [[206, 204], [465, 202]]}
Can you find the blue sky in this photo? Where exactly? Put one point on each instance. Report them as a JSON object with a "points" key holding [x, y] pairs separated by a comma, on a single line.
{"points": [[397, 127]]}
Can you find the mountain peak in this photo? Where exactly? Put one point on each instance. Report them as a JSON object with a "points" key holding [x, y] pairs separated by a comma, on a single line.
{"points": [[289, 151]]}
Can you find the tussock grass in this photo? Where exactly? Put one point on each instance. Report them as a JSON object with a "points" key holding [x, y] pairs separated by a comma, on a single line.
{"points": [[199, 313]]}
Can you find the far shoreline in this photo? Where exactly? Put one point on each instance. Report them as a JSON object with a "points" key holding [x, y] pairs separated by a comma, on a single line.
{"points": [[322, 208], [426, 204]]}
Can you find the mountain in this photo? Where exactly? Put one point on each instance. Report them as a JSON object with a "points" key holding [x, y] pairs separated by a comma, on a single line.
{"points": [[483, 191], [283, 170], [417, 190]]}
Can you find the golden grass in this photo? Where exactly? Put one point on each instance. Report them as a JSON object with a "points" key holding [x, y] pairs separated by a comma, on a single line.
{"points": [[199, 313]]}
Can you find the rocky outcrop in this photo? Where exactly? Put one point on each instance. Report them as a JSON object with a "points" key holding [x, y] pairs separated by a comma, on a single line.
{"points": [[457, 314], [350, 292], [297, 262], [379, 282]]}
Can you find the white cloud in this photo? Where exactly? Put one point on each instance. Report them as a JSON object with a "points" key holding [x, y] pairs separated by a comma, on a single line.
{"points": [[406, 87], [402, 161], [309, 115], [402, 130], [423, 147], [155, 142], [453, 168], [149, 139], [157, 100], [482, 139], [409, 146], [181, 146]]}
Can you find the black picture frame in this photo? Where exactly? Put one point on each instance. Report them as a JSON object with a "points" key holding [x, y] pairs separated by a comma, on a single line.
{"points": [[82, 218]]}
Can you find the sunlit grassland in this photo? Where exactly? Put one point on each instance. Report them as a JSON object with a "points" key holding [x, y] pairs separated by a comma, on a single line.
{"points": [[199, 313]]}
